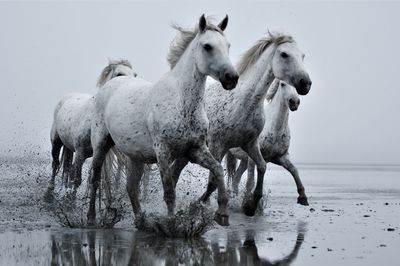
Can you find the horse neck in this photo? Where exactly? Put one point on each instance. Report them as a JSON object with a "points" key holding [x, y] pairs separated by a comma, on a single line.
{"points": [[277, 113], [257, 79], [191, 83]]}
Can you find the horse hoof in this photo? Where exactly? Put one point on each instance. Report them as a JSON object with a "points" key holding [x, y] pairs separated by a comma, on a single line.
{"points": [[222, 219], [248, 209], [302, 201]]}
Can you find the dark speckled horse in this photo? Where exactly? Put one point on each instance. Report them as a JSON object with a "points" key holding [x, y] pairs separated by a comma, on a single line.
{"points": [[166, 120]]}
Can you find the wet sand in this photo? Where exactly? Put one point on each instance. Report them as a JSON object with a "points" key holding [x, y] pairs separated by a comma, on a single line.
{"points": [[353, 219]]}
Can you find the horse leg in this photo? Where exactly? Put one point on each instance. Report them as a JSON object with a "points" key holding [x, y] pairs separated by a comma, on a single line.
{"points": [[134, 175], [238, 175], [253, 150], [204, 158], [285, 162], [145, 182], [250, 179], [177, 168], [79, 160], [212, 180], [56, 144], [211, 187], [100, 149], [164, 161]]}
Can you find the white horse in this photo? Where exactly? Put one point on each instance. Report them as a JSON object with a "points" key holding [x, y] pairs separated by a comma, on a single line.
{"points": [[166, 120], [274, 140], [237, 117], [72, 124]]}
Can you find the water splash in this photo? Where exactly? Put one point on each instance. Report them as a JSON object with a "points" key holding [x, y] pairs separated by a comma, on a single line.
{"points": [[191, 222]]}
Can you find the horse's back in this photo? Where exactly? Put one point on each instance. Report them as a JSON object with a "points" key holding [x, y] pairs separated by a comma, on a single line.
{"points": [[72, 119], [122, 100]]}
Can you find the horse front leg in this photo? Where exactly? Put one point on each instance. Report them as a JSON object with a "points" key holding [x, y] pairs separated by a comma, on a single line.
{"points": [[253, 150], [250, 178], [212, 180], [204, 158], [238, 175], [285, 162], [165, 160], [177, 168]]}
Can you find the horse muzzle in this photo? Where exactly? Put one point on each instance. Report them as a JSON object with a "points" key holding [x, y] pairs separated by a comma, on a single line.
{"points": [[294, 104], [229, 80], [303, 85]]}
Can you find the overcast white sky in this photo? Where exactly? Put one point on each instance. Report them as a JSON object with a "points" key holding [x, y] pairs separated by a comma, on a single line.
{"points": [[351, 115]]}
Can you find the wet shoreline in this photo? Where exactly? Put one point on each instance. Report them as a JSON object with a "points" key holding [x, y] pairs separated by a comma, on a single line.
{"points": [[353, 219]]}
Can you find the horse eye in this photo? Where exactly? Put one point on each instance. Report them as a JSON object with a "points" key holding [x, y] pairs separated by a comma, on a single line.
{"points": [[284, 55], [207, 47], [119, 75]]}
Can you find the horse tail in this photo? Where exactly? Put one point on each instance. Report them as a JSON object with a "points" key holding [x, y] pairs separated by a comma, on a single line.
{"points": [[115, 165], [66, 165], [230, 165], [60, 165]]}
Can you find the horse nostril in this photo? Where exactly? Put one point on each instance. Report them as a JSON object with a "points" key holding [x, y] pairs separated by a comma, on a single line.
{"points": [[291, 102], [228, 76], [235, 77], [305, 82]]}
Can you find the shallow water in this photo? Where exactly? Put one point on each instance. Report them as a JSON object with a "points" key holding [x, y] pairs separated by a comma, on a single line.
{"points": [[353, 219], [128, 247]]}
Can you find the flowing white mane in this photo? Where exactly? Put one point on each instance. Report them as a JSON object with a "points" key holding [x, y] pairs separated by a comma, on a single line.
{"points": [[111, 66], [182, 40], [251, 55]]}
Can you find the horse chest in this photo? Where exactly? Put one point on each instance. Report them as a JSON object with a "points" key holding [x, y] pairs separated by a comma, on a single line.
{"points": [[273, 144], [184, 132]]}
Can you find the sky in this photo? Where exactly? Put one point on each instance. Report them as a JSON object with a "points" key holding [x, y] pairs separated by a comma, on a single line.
{"points": [[351, 115]]}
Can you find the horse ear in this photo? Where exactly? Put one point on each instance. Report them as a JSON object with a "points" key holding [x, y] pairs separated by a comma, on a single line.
{"points": [[202, 23], [222, 25]]}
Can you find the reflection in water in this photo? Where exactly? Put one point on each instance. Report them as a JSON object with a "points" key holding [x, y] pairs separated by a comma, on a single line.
{"points": [[88, 247], [118, 247], [246, 253]]}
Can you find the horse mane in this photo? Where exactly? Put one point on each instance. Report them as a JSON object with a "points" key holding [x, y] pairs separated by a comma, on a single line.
{"points": [[106, 71], [273, 88], [182, 40], [251, 55]]}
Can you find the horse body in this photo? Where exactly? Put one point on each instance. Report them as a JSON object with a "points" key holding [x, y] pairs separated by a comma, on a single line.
{"points": [[237, 118], [71, 127], [72, 120], [164, 121], [274, 139], [128, 103]]}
